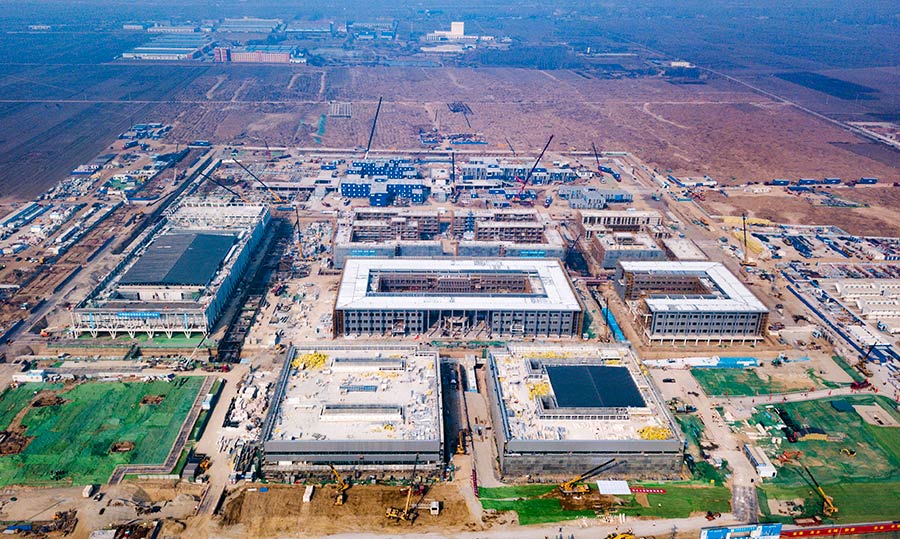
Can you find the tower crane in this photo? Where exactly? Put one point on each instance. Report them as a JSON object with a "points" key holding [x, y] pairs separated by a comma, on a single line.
{"points": [[523, 183], [374, 123], [597, 157]]}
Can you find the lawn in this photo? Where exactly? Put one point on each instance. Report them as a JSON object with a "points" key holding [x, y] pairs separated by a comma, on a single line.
{"points": [[680, 500], [856, 502], [735, 382], [71, 441]]}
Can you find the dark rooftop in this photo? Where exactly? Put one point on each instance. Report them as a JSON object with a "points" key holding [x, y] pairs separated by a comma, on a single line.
{"points": [[180, 258], [593, 386]]}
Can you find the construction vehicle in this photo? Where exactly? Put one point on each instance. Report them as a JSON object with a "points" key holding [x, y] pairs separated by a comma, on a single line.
{"points": [[848, 452], [230, 190], [861, 365], [523, 183], [788, 456], [859, 386], [342, 487], [275, 196], [623, 535], [374, 123], [408, 513], [574, 485], [599, 167], [746, 261], [461, 443], [828, 507], [712, 515]]}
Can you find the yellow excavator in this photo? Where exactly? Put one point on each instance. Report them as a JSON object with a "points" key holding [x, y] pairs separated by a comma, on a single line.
{"points": [[461, 442], [623, 535], [828, 507], [574, 485], [342, 487], [408, 513]]}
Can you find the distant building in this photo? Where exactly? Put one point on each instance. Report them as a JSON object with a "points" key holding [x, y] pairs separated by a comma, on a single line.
{"points": [[258, 54], [456, 34], [690, 301], [250, 25], [612, 248], [170, 47]]}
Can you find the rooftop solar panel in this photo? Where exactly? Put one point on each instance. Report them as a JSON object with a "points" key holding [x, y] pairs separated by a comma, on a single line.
{"points": [[594, 386], [189, 259]]}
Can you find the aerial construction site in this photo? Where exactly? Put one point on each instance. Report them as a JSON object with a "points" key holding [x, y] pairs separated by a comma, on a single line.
{"points": [[303, 299]]}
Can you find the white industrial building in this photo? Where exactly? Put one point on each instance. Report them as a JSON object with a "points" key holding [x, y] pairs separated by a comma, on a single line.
{"points": [[690, 301], [760, 462], [456, 297], [180, 277], [359, 410]]}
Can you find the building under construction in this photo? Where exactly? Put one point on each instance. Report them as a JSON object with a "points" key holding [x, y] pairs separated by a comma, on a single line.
{"points": [[359, 410], [447, 297], [690, 301], [598, 222], [410, 232], [181, 275], [557, 413]]}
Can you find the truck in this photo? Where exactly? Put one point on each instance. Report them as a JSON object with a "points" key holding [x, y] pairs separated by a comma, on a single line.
{"points": [[548, 201], [88, 491]]}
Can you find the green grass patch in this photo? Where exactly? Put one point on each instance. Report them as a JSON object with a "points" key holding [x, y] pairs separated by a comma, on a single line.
{"points": [[856, 502], [877, 448], [846, 367], [13, 400], [71, 442], [736, 383], [680, 500]]}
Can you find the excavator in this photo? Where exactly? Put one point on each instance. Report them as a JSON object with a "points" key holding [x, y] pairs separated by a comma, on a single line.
{"points": [[574, 485], [342, 487], [828, 507], [408, 513], [461, 443]]}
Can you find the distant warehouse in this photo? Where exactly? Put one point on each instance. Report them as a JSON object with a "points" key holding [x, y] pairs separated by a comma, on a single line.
{"points": [[456, 298], [180, 278], [690, 301]]}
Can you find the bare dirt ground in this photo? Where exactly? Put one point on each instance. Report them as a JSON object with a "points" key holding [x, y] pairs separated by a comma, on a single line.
{"points": [[876, 220], [876, 415], [281, 511]]}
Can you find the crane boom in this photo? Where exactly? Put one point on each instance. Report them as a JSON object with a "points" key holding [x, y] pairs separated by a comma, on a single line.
{"points": [[374, 122], [572, 486], [536, 162], [223, 186], [828, 507], [277, 199], [597, 157], [342, 487]]}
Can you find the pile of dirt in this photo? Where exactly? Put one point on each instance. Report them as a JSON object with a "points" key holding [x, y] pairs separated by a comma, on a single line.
{"points": [[121, 447], [152, 399], [47, 398], [13, 442]]}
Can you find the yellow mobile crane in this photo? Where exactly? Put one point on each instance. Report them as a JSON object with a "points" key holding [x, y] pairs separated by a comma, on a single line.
{"points": [[408, 513], [574, 485], [342, 487], [276, 198], [828, 507]]}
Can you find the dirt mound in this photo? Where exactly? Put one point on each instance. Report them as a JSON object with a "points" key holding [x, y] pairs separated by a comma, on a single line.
{"points": [[47, 398], [12, 442], [121, 447], [152, 399]]}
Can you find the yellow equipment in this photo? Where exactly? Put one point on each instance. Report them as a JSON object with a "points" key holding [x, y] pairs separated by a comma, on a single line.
{"points": [[847, 451], [342, 487], [275, 197], [624, 535], [828, 507], [408, 513], [573, 486], [461, 443]]}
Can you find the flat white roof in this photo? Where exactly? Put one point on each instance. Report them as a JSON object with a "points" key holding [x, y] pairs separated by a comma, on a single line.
{"points": [[554, 292], [517, 385], [362, 395], [732, 294], [684, 249]]}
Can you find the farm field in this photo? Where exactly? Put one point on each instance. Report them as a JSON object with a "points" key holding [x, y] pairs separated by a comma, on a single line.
{"points": [[72, 432]]}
